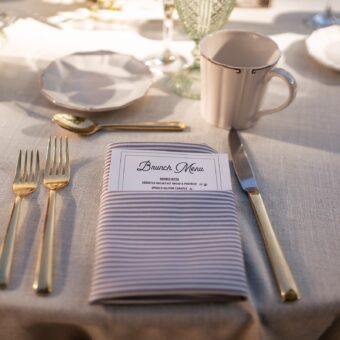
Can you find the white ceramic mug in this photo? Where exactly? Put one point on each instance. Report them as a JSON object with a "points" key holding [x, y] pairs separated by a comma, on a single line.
{"points": [[236, 66]]}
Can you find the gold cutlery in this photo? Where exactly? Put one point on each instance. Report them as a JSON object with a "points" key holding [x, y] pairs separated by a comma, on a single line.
{"points": [[56, 176], [25, 182], [86, 126], [243, 170]]}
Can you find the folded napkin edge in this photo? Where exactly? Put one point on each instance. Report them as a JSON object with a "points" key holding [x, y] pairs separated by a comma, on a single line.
{"points": [[160, 296]]}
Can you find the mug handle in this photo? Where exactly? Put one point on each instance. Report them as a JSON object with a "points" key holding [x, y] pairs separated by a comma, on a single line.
{"points": [[292, 86]]}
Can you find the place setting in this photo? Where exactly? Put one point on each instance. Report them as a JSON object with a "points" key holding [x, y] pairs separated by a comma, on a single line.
{"points": [[158, 197], [160, 188]]}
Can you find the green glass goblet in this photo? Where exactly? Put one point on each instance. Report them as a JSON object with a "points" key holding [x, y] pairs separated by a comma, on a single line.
{"points": [[198, 17]]}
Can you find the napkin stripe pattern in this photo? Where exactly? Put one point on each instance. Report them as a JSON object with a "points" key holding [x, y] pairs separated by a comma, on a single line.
{"points": [[166, 246]]}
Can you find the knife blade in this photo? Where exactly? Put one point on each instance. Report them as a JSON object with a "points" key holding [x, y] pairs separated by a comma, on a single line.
{"points": [[282, 273]]}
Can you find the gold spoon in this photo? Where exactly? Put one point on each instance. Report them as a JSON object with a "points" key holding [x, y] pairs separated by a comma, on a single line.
{"points": [[86, 126]]}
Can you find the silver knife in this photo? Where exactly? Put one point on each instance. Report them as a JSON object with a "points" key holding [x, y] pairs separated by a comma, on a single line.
{"points": [[244, 172]]}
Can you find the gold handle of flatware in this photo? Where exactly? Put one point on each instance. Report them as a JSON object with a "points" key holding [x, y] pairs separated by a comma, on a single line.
{"points": [[148, 126], [44, 266], [283, 275], [7, 249]]}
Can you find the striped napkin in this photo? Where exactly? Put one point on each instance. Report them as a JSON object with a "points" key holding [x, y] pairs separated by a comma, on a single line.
{"points": [[158, 247]]}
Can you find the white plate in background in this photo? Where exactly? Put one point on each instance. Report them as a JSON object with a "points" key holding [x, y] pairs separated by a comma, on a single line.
{"points": [[324, 46]]}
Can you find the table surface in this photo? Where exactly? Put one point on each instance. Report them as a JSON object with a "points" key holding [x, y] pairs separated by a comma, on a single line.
{"points": [[295, 155]]}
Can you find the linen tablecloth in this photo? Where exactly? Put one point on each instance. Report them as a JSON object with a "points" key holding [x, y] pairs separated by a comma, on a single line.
{"points": [[295, 155]]}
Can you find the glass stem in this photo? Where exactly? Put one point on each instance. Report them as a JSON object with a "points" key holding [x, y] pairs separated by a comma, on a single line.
{"points": [[196, 54], [168, 28]]}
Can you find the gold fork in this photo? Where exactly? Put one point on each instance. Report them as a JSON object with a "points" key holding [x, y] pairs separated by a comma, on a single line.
{"points": [[25, 182], [56, 176]]}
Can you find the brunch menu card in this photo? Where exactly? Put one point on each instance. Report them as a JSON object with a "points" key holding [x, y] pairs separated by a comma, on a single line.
{"points": [[137, 170]]}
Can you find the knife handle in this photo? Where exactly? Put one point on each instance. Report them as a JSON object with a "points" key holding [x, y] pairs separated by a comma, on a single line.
{"points": [[282, 273]]}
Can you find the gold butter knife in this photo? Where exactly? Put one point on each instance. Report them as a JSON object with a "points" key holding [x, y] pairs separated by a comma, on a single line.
{"points": [[283, 275]]}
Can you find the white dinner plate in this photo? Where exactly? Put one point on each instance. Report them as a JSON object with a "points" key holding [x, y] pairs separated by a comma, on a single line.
{"points": [[95, 81], [324, 46]]}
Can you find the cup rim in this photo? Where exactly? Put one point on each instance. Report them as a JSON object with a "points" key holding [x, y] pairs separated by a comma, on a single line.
{"points": [[240, 68]]}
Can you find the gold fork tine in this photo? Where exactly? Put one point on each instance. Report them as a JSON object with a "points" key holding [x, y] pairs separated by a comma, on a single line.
{"points": [[54, 156], [55, 179], [23, 185], [67, 161], [24, 175], [31, 176], [48, 158], [37, 168], [60, 169], [18, 170]]}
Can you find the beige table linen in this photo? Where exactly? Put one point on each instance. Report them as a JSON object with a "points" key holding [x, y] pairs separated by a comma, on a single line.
{"points": [[295, 154]]}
